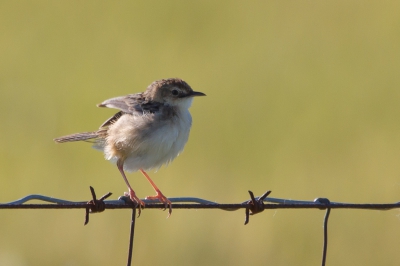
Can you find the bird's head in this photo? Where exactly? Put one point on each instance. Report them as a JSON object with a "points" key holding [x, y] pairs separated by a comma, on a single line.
{"points": [[173, 91]]}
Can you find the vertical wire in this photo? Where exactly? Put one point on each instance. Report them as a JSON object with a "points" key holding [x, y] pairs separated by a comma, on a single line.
{"points": [[133, 219], [325, 249]]}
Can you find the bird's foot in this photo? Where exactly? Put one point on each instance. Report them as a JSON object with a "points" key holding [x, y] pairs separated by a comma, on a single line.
{"points": [[139, 204], [163, 199]]}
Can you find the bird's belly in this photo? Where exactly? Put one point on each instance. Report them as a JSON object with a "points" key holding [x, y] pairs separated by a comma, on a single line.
{"points": [[152, 148], [159, 149]]}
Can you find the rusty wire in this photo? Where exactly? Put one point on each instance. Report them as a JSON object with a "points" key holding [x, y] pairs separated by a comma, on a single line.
{"points": [[253, 206]]}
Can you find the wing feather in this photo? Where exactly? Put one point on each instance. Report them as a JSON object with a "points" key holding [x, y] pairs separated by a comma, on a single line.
{"points": [[132, 103]]}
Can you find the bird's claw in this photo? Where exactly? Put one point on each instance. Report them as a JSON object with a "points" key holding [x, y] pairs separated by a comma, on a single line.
{"points": [[163, 199], [139, 204]]}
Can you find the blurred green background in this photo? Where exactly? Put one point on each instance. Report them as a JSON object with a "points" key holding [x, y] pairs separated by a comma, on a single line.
{"points": [[302, 99]]}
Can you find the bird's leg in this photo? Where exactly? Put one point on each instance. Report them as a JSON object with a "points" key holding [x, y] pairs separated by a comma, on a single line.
{"points": [[159, 195], [132, 194]]}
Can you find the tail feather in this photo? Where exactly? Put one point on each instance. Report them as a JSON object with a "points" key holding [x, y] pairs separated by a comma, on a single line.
{"points": [[77, 137]]}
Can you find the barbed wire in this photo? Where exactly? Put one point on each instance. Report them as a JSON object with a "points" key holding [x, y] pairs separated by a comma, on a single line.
{"points": [[253, 206], [122, 203]]}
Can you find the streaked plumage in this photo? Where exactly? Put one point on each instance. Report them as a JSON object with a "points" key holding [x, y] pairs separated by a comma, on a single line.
{"points": [[150, 129]]}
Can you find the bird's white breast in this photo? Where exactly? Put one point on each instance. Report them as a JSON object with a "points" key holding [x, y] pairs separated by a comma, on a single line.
{"points": [[145, 142]]}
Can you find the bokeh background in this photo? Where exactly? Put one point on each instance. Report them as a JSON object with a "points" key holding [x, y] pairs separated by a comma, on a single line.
{"points": [[302, 99]]}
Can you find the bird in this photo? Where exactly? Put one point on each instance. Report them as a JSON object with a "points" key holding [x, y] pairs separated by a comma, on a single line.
{"points": [[150, 129]]}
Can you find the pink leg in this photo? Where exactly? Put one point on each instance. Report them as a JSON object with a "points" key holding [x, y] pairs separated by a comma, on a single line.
{"points": [[159, 195], [132, 193]]}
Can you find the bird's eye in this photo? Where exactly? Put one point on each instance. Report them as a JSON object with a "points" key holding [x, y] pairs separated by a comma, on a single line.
{"points": [[175, 92]]}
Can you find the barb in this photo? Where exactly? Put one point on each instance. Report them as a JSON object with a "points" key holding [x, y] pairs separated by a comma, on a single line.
{"points": [[255, 205], [95, 205]]}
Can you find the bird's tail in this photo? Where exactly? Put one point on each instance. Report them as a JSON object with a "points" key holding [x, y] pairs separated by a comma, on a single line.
{"points": [[77, 137]]}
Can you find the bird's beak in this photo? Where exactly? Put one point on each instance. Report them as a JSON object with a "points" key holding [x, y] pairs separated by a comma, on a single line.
{"points": [[197, 93]]}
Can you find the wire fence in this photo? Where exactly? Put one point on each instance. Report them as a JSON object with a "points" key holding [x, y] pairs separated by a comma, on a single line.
{"points": [[252, 206]]}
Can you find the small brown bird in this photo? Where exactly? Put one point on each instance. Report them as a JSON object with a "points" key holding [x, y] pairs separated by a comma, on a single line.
{"points": [[150, 130]]}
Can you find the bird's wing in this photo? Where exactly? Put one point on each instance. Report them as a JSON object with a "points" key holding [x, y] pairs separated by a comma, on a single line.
{"points": [[112, 119], [123, 103], [132, 103]]}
